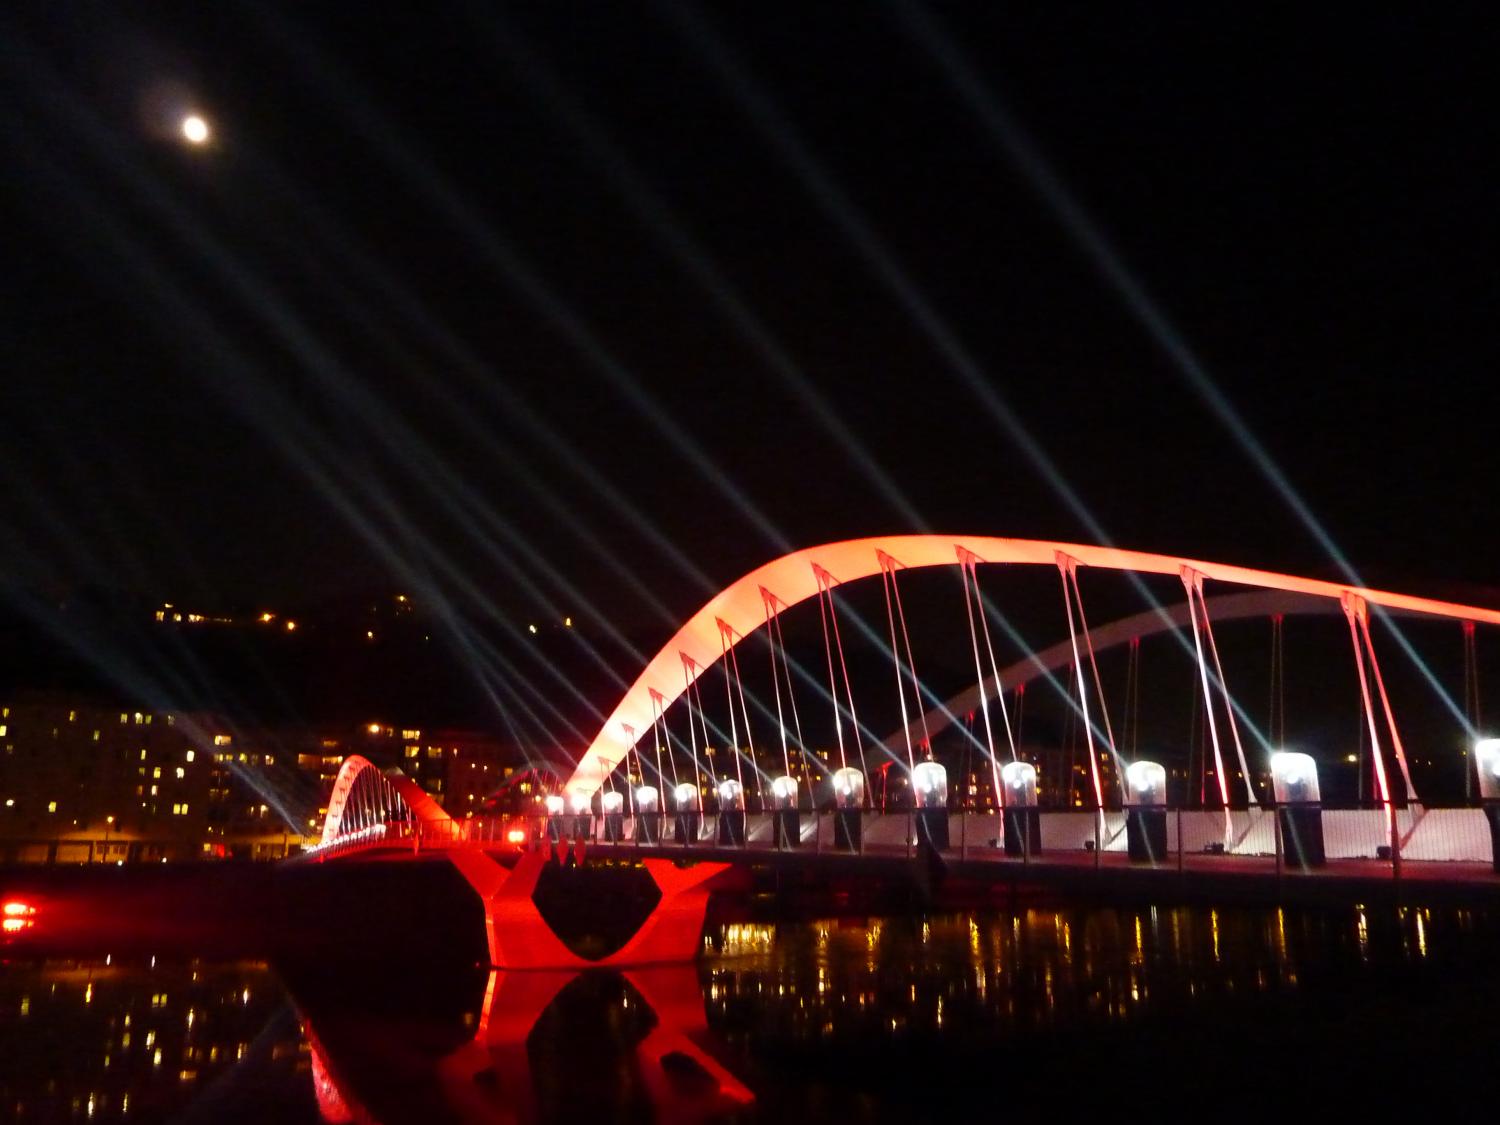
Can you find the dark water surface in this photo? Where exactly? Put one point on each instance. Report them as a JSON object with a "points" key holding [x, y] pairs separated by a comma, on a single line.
{"points": [[1161, 1011]]}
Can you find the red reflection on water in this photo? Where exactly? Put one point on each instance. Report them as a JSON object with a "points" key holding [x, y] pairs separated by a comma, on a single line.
{"points": [[489, 1078]]}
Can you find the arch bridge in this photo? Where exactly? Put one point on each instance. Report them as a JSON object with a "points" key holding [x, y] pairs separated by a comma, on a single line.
{"points": [[625, 801]]}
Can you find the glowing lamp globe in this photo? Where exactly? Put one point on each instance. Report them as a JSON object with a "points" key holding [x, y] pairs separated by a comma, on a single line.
{"points": [[1294, 778], [1487, 762], [731, 795], [784, 792], [848, 788], [930, 783], [647, 800], [612, 803], [1018, 779], [554, 804], [686, 796], [582, 804], [1147, 783]]}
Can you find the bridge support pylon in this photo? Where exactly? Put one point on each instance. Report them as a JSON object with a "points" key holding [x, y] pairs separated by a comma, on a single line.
{"points": [[520, 938]]}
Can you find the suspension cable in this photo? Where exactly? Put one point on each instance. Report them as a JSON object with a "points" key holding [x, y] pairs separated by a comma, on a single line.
{"points": [[791, 697], [1070, 739], [1011, 737], [838, 641], [1471, 701], [1088, 640], [1276, 718], [1234, 726], [911, 762], [1350, 611], [966, 565], [1193, 584], [1385, 704], [769, 600], [631, 748], [697, 690], [833, 690], [658, 725], [911, 663], [1195, 738], [734, 733], [687, 687], [1064, 565], [726, 637]]}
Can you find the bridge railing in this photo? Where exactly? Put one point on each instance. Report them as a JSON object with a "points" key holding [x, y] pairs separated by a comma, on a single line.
{"points": [[1245, 838]]}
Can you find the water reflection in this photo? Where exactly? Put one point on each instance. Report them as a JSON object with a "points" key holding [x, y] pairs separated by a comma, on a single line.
{"points": [[864, 1020], [111, 1040]]}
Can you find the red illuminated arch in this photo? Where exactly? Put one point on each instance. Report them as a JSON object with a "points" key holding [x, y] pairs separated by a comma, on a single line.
{"points": [[423, 807], [792, 579]]}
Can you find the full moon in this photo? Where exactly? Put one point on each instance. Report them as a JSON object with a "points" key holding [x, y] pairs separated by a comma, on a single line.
{"points": [[194, 129]]}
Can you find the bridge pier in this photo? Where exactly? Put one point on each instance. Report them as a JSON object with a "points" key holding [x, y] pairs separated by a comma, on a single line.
{"points": [[520, 938]]}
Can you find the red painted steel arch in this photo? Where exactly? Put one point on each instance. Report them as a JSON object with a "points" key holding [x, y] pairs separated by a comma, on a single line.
{"points": [[423, 807], [792, 579]]}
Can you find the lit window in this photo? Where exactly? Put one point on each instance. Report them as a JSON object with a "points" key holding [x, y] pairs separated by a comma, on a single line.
{"points": [[190, 755], [124, 718], [139, 718], [72, 715], [413, 751], [153, 791], [181, 773], [411, 735], [222, 740], [3, 729], [270, 759], [156, 772], [96, 736], [434, 751], [51, 806]]}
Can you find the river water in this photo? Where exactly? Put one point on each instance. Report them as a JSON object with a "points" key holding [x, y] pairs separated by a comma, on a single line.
{"points": [[1154, 1011]]}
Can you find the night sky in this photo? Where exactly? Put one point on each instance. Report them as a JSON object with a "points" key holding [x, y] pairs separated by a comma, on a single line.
{"points": [[548, 305]]}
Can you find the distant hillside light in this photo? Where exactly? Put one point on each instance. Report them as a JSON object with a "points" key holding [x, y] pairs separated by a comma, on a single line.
{"points": [[531, 628], [195, 129]]}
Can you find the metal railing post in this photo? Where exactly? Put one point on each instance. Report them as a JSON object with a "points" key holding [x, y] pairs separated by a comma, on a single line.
{"points": [[1098, 837], [1395, 846], [1181, 841], [1280, 860]]}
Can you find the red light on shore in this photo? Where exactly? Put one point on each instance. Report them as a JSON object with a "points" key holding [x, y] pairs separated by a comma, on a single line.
{"points": [[17, 917]]}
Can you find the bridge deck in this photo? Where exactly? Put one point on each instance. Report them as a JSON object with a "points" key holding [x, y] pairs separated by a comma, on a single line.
{"points": [[1104, 873]]}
